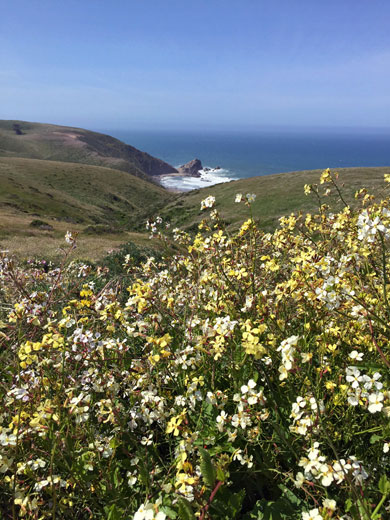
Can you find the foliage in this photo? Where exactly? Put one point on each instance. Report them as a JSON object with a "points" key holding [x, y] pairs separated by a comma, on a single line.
{"points": [[245, 377]]}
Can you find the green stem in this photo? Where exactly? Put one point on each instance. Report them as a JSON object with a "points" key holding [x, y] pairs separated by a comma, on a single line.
{"points": [[384, 270], [373, 516]]}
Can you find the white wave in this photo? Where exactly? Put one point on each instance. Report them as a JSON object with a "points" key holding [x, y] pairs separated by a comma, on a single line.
{"points": [[206, 179]]}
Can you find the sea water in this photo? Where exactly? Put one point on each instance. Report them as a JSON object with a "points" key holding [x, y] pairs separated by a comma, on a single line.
{"points": [[246, 154]]}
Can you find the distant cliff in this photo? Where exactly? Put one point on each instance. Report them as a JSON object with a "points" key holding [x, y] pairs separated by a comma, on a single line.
{"points": [[68, 144]]}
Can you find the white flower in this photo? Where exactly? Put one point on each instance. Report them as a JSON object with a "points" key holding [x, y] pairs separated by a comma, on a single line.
{"points": [[208, 202], [299, 479], [369, 382], [250, 197], [306, 356], [326, 474], [375, 404], [238, 198], [353, 399], [221, 419], [147, 512], [21, 393], [355, 355], [147, 441], [353, 376], [69, 238], [313, 514], [386, 447], [329, 504]]}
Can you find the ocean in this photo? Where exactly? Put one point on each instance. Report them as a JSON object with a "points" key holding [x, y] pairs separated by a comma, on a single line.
{"points": [[240, 155]]}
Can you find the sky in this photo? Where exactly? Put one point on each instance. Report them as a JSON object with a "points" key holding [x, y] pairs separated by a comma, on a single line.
{"points": [[196, 64]]}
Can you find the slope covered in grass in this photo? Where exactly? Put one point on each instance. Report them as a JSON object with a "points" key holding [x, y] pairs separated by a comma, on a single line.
{"points": [[105, 202], [276, 195], [68, 144]]}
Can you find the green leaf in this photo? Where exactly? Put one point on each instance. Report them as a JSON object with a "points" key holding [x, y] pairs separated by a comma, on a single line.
{"points": [[169, 512], [290, 496], [375, 438], [384, 485], [222, 475], [117, 477], [114, 513], [227, 505], [348, 505], [185, 510], [207, 469], [143, 474]]}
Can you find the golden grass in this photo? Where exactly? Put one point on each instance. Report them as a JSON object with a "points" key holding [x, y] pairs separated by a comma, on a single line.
{"points": [[24, 241]]}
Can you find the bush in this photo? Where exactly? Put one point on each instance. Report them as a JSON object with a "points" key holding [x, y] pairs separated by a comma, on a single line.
{"points": [[41, 224], [247, 377]]}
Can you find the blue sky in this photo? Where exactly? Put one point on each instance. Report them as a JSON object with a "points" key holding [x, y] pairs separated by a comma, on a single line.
{"points": [[215, 64]]}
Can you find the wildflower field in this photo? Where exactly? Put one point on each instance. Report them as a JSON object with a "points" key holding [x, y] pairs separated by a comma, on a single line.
{"points": [[244, 377]]}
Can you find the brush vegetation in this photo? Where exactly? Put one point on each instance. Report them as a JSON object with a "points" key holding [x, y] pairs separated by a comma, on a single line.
{"points": [[246, 376]]}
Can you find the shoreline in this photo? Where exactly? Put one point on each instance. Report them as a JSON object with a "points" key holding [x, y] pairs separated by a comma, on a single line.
{"points": [[186, 182]]}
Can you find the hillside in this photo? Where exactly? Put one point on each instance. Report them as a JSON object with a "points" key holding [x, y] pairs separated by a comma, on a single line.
{"points": [[76, 145], [102, 202], [276, 196], [109, 207]]}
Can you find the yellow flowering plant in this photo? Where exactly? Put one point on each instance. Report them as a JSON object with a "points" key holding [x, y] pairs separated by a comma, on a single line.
{"points": [[247, 376]]}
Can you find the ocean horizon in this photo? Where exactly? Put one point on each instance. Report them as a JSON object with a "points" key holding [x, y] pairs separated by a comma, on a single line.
{"points": [[247, 154]]}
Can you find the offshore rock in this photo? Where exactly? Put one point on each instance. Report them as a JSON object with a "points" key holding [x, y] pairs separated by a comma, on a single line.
{"points": [[191, 168]]}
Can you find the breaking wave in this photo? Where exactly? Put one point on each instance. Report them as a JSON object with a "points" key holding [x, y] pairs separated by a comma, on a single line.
{"points": [[206, 179]]}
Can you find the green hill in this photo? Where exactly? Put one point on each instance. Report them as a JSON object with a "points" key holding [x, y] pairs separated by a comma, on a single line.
{"points": [[276, 196], [101, 202], [76, 145]]}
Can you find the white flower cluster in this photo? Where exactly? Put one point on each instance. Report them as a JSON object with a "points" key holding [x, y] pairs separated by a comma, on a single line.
{"points": [[304, 412], [149, 511], [359, 384], [249, 197], [19, 393], [208, 202], [153, 225], [243, 458], [287, 348], [50, 480], [327, 293], [242, 418], [369, 227], [316, 467]]}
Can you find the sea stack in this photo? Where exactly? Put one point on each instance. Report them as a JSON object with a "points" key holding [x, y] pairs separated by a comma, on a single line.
{"points": [[191, 168]]}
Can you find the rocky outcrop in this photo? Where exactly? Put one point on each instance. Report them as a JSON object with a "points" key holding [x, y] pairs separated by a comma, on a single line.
{"points": [[191, 168]]}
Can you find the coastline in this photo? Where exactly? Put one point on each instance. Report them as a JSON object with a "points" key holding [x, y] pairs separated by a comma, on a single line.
{"points": [[181, 182]]}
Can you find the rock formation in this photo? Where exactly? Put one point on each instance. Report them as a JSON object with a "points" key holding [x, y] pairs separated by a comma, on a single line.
{"points": [[191, 168]]}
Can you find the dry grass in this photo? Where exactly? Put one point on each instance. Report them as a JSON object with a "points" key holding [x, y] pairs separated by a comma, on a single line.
{"points": [[24, 241]]}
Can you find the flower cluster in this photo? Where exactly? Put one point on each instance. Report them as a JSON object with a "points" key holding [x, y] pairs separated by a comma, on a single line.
{"points": [[246, 375]]}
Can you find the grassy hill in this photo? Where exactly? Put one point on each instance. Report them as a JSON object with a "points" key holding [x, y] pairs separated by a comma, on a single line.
{"points": [[102, 203], [109, 206], [68, 144], [276, 195]]}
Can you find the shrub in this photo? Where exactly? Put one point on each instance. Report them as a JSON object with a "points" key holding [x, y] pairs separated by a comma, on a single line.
{"points": [[41, 224], [247, 377]]}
